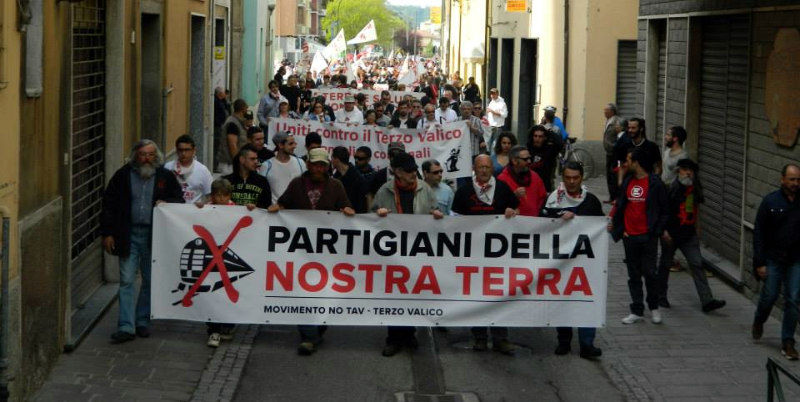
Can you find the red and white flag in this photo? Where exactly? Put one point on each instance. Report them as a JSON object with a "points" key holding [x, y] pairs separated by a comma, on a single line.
{"points": [[367, 34]]}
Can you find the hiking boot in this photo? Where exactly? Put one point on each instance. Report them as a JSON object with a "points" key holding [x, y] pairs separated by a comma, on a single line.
{"points": [[391, 349], [143, 332], [590, 352], [563, 348], [656, 316], [122, 337], [757, 330], [213, 340], [306, 349], [504, 346], [713, 305], [226, 334], [788, 350], [480, 345], [632, 319]]}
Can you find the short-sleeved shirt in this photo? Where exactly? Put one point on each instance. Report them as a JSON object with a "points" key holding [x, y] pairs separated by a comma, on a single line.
{"points": [[636, 210]]}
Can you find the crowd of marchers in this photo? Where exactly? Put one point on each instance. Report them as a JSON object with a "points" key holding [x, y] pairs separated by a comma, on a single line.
{"points": [[656, 196]]}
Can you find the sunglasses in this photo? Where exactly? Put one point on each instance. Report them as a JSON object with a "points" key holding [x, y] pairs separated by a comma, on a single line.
{"points": [[360, 158]]}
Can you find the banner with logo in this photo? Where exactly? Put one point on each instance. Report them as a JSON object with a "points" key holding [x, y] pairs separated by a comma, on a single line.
{"points": [[336, 47], [227, 264], [448, 143], [367, 34], [334, 97]]}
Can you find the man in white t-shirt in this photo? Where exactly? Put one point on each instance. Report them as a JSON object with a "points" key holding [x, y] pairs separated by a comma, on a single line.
{"points": [[284, 167], [350, 114], [193, 176], [445, 114], [496, 113]]}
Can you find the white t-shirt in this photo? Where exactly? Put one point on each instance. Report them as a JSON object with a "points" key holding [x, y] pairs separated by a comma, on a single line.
{"points": [[279, 174], [447, 116], [343, 116], [195, 180]]}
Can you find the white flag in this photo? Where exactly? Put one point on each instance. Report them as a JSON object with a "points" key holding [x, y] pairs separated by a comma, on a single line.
{"points": [[319, 63], [336, 47], [368, 34]]}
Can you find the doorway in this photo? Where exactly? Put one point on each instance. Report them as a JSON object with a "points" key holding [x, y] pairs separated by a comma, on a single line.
{"points": [[197, 91], [150, 84], [507, 78], [527, 87]]}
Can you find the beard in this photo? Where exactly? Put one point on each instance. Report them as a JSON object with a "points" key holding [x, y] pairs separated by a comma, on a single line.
{"points": [[686, 181], [145, 171], [669, 144]]}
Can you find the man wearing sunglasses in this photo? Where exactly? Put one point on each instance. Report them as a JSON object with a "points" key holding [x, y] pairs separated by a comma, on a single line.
{"points": [[432, 170], [524, 182]]}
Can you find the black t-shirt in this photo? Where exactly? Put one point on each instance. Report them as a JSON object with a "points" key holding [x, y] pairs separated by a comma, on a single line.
{"points": [[255, 190], [292, 94], [407, 201], [625, 142], [466, 202], [264, 154]]}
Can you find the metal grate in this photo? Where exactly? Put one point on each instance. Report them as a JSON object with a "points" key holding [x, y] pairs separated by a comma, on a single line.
{"points": [[88, 123]]}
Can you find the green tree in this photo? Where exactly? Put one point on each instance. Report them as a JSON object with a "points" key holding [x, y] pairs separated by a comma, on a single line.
{"points": [[353, 15]]}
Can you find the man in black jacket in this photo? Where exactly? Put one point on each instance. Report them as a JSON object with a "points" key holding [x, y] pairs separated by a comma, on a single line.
{"points": [[354, 184], [776, 256], [571, 198], [639, 219], [684, 196], [126, 226], [544, 146]]}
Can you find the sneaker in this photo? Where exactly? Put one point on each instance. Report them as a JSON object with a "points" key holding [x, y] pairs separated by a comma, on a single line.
{"points": [[391, 349], [122, 337], [590, 352], [226, 334], [788, 350], [757, 331], [213, 340], [563, 348], [656, 318], [504, 346], [306, 349], [632, 319], [713, 305], [143, 332], [480, 345]]}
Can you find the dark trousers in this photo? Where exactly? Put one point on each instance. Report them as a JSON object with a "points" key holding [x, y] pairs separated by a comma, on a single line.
{"points": [[611, 177], [690, 247], [311, 333], [217, 327], [585, 336], [482, 333], [400, 335], [640, 256]]}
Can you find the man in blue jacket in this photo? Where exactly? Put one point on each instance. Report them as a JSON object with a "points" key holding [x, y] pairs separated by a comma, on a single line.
{"points": [[126, 224], [639, 219], [776, 256]]}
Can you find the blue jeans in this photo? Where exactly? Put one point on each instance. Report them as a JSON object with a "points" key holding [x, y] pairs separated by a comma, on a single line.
{"points": [[138, 260], [789, 274], [585, 336]]}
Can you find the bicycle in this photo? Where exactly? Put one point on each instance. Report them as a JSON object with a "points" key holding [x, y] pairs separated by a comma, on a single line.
{"points": [[572, 154]]}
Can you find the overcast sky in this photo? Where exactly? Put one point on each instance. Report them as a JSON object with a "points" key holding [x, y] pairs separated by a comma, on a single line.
{"points": [[421, 3]]}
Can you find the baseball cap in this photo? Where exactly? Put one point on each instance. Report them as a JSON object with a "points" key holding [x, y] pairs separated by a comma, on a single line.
{"points": [[550, 108], [396, 145], [688, 164], [318, 155]]}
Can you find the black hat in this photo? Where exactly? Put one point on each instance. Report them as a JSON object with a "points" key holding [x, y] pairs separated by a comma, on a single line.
{"points": [[405, 162], [688, 164]]}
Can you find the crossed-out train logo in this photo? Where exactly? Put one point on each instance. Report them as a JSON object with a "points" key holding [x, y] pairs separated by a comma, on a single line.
{"points": [[203, 261]]}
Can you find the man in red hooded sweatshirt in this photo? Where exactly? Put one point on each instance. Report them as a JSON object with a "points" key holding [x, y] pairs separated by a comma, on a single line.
{"points": [[524, 182]]}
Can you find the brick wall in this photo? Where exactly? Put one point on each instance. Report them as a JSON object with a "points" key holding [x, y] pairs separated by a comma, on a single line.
{"points": [[661, 7]]}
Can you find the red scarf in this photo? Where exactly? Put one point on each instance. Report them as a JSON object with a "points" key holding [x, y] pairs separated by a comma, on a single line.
{"points": [[402, 187]]}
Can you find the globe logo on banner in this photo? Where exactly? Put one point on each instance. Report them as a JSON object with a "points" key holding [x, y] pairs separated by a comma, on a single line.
{"points": [[206, 267]]}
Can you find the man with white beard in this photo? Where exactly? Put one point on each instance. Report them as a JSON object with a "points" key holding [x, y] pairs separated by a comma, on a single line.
{"points": [[126, 227]]}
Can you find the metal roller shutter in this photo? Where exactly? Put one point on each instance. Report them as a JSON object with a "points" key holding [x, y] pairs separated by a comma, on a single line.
{"points": [[657, 133], [87, 147], [723, 95], [626, 78]]}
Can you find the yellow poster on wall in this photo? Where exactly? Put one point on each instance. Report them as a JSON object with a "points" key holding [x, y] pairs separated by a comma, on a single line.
{"points": [[219, 52], [516, 5], [436, 15]]}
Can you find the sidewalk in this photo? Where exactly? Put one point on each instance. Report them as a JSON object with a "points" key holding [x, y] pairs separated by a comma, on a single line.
{"points": [[691, 356]]}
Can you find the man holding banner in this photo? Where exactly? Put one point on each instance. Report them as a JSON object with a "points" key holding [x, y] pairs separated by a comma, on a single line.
{"points": [[404, 195], [314, 190]]}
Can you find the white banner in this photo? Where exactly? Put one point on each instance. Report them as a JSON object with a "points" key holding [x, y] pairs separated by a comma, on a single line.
{"points": [[367, 34], [448, 143], [334, 97], [225, 264], [336, 47], [318, 64]]}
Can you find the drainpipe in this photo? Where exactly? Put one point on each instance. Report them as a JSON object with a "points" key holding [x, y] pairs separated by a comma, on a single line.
{"points": [[566, 61], [5, 310]]}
